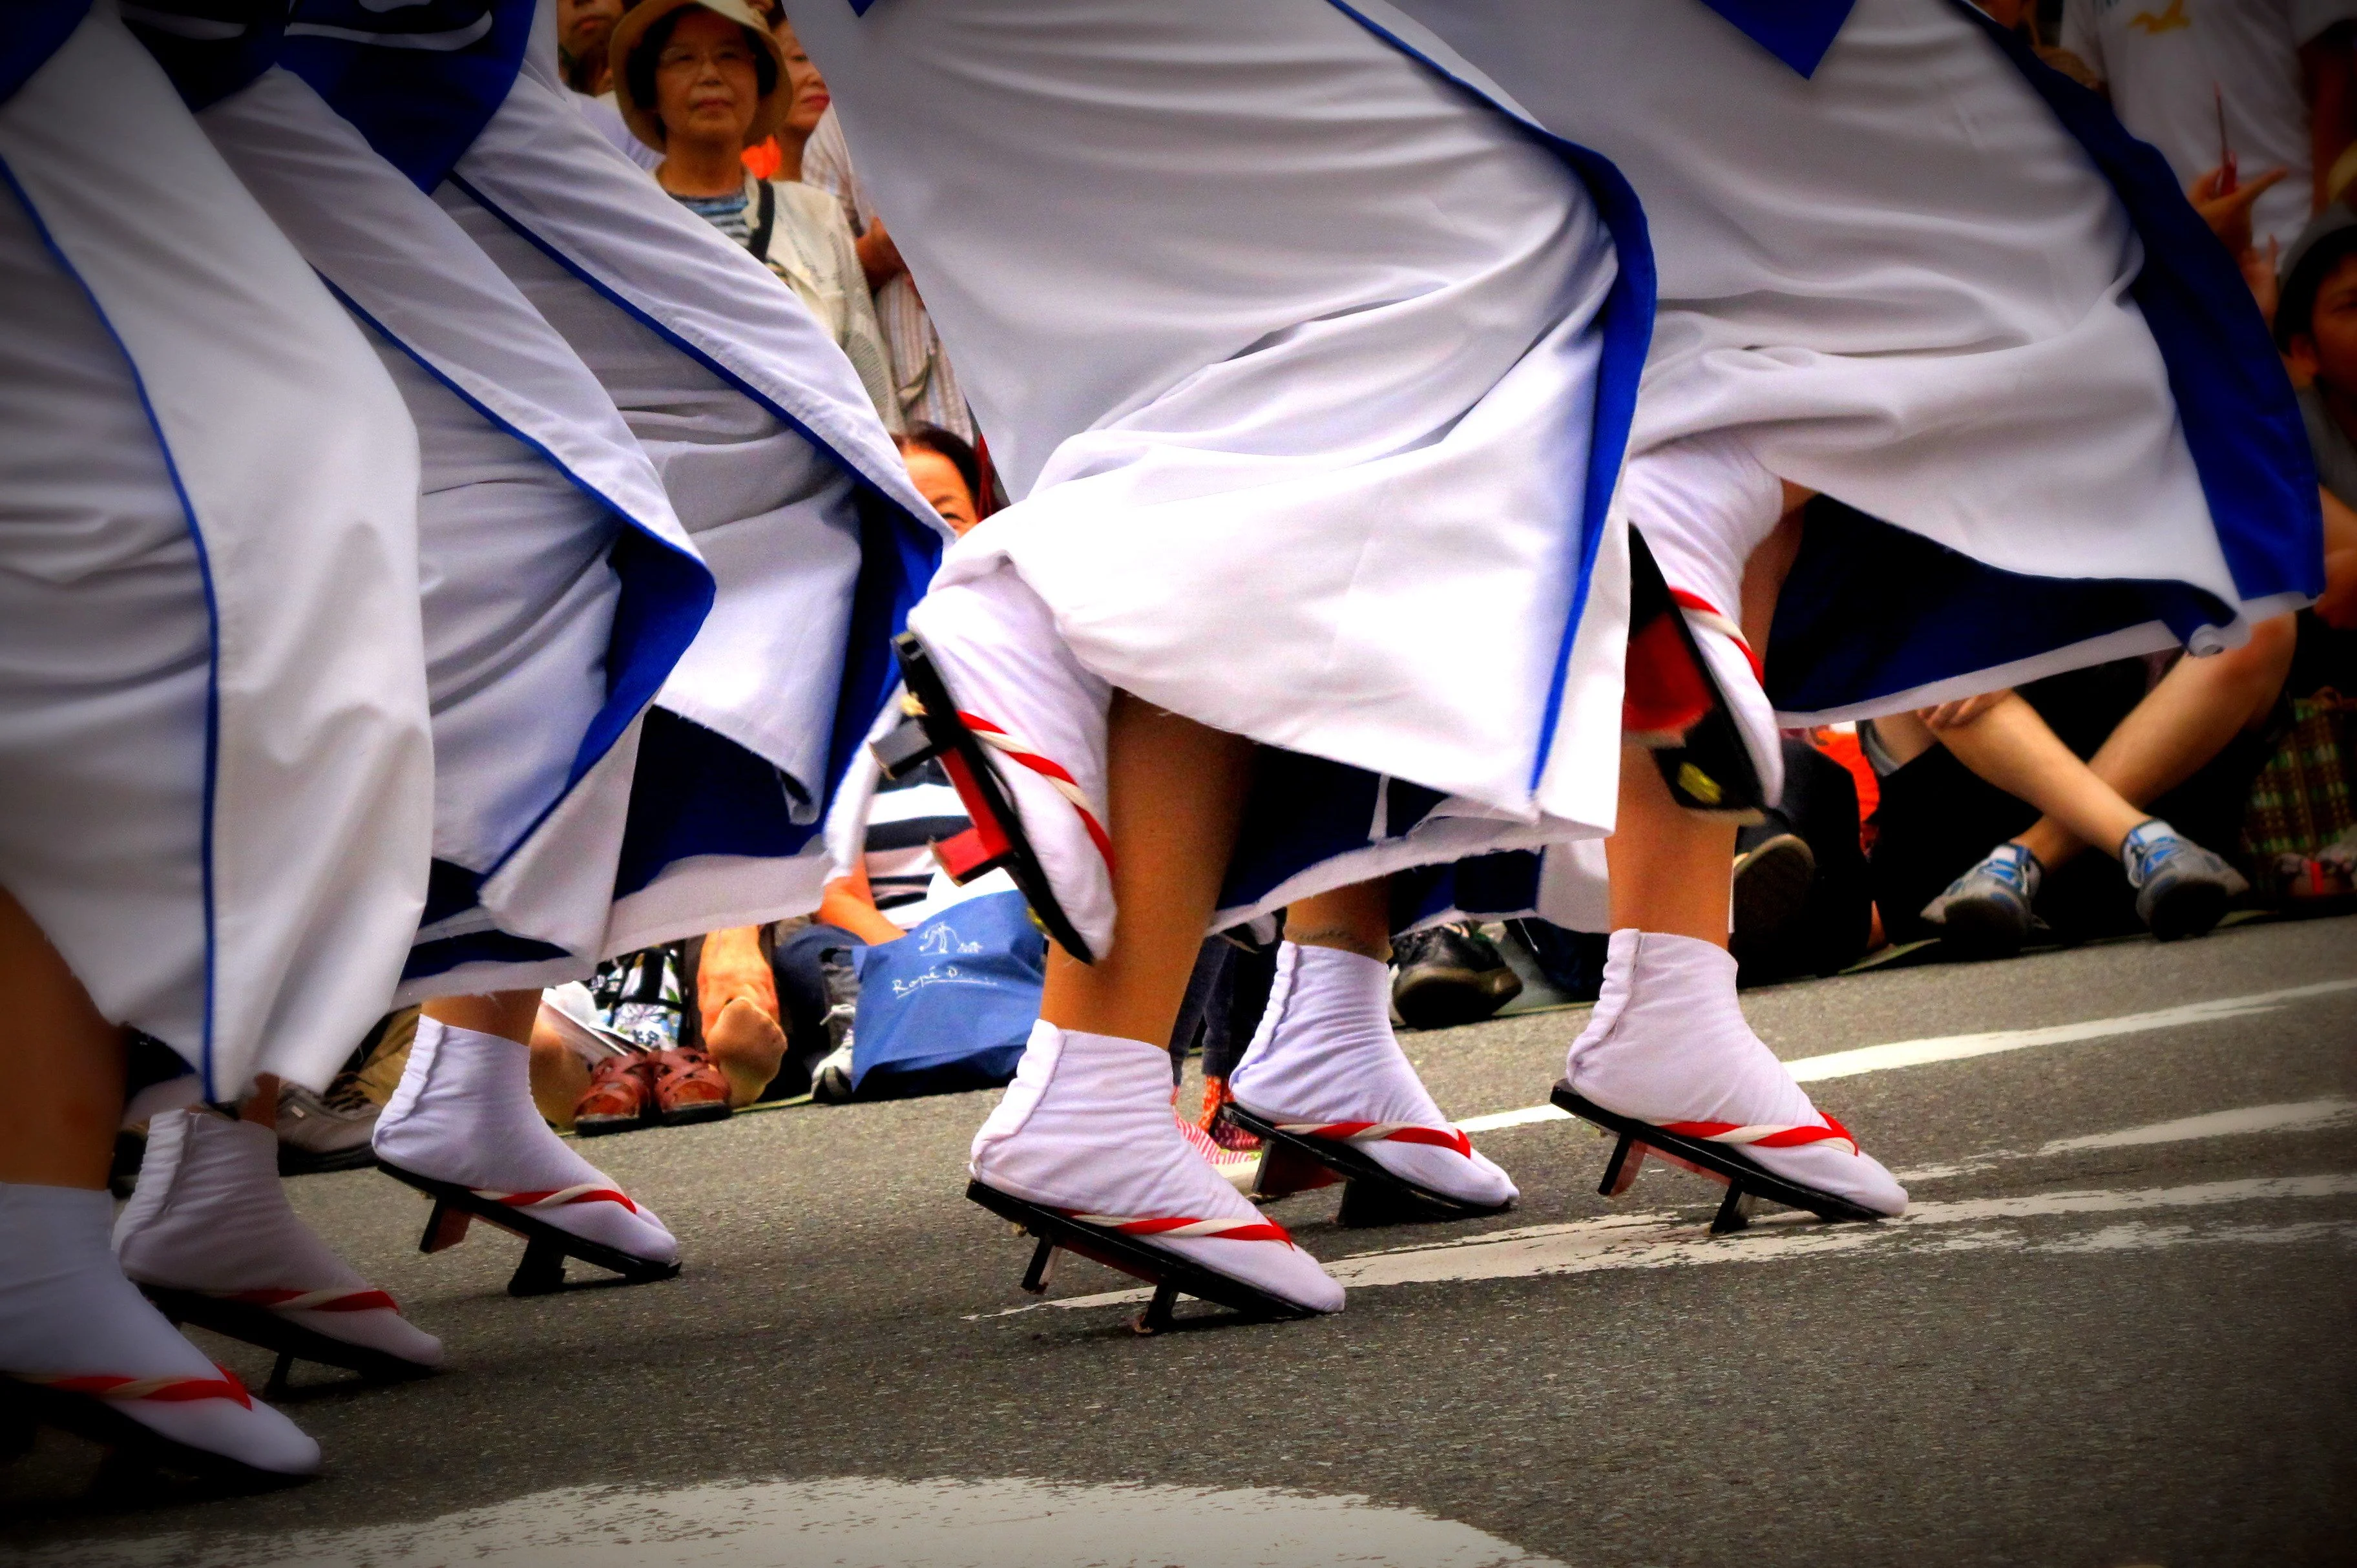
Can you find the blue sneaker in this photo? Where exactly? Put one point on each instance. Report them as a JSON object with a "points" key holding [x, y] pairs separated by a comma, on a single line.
{"points": [[2182, 889], [1987, 911]]}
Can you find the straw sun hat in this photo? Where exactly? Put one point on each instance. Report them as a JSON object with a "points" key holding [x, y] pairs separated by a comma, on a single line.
{"points": [[630, 35]]}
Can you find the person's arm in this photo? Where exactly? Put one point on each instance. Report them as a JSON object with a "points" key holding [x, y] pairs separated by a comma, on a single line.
{"points": [[849, 905], [2329, 73]]}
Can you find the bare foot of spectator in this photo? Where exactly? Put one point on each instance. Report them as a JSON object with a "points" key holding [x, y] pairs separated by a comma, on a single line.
{"points": [[747, 1045]]}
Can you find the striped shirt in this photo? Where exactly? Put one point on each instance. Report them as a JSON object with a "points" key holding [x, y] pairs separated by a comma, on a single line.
{"points": [[928, 387]]}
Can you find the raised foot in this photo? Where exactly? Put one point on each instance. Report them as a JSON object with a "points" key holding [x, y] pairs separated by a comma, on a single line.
{"points": [[1748, 1185], [294, 1341], [546, 1247], [936, 729], [1170, 1275], [1377, 1195]]}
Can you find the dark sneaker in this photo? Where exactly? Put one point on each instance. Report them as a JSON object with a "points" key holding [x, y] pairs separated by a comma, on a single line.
{"points": [[1450, 974], [2182, 889], [1987, 911], [1773, 881]]}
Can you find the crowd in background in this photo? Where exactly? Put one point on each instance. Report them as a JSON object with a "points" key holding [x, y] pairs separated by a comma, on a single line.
{"points": [[1974, 829]]}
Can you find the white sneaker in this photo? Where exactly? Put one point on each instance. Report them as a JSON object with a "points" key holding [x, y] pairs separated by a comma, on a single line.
{"points": [[1086, 1129], [210, 1219], [1667, 1045], [94, 1355], [1041, 719], [1324, 1064], [464, 1115]]}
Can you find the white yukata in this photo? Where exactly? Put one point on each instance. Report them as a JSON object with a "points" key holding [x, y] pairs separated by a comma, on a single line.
{"points": [[1289, 349], [213, 742], [672, 376], [1904, 279]]}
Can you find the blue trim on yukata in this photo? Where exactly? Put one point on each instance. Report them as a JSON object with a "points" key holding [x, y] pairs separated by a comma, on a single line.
{"points": [[899, 551], [419, 81], [1501, 887], [1626, 323], [35, 30], [446, 953], [1797, 32], [207, 54], [1302, 810], [1843, 637], [696, 792], [204, 1063], [666, 593]]}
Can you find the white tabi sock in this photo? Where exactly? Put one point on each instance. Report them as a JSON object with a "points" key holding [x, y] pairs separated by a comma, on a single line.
{"points": [[1325, 1053], [211, 1216], [1086, 1128], [66, 1311], [1667, 1043], [997, 648], [464, 1114]]}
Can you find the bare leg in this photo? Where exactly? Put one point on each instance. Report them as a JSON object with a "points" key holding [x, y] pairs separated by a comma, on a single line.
{"points": [[1357, 920], [1672, 871], [63, 1112], [2185, 721], [2011, 746], [508, 1014], [1175, 791]]}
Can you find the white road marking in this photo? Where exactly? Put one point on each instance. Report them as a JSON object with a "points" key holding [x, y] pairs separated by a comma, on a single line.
{"points": [[2305, 1116], [1961, 1047], [856, 1519], [1664, 1241]]}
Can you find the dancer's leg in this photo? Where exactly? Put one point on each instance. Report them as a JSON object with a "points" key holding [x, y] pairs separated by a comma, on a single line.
{"points": [[1325, 1066], [464, 1115], [66, 1312], [60, 1117], [1667, 1043], [1176, 794], [1673, 871], [1087, 1128], [1354, 919]]}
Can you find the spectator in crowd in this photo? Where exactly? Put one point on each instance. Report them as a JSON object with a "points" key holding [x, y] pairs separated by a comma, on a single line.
{"points": [[702, 80], [779, 156], [2270, 79], [2316, 327], [2009, 765], [926, 385], [583, 30], [947, 472]]}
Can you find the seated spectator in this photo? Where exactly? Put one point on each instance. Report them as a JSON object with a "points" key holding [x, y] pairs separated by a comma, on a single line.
{"points": [[947, 473], [2316, 327], [702, 80], [2008, 766]]}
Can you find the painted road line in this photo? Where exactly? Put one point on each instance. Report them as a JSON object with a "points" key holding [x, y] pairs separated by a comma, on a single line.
{"points": [[1666, 1241], [2304, 1116], [1961, 1047]]}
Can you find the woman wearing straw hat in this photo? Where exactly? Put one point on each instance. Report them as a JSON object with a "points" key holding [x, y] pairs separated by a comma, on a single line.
{"points": [[703, 79]]}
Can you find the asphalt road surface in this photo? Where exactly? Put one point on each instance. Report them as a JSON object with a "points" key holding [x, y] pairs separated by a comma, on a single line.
{"points": [[2118, 1328]]}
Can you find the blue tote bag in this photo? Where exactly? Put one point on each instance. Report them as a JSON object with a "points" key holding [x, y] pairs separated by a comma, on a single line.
{"points": [[951, 1005]]}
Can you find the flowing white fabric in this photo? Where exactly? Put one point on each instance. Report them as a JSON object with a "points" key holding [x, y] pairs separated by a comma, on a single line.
{"points": [[517, 520], [1900, 279], [755, 421], [1287, 348], [186, 416]]}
